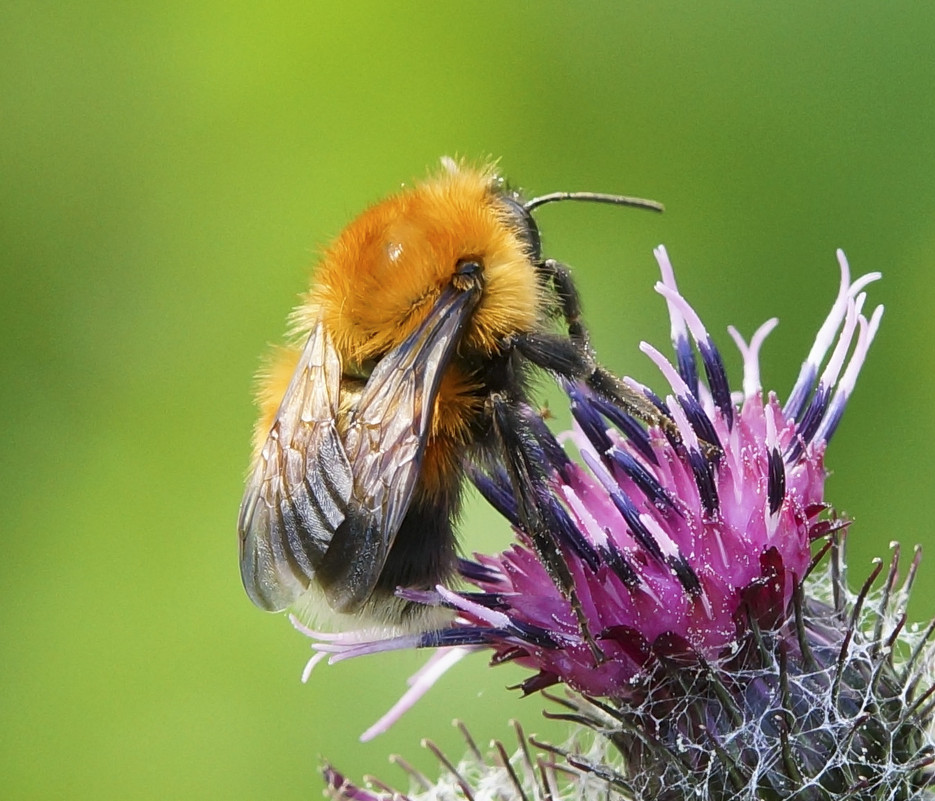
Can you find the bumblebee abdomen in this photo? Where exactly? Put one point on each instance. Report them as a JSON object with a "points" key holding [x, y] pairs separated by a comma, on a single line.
{"points": [[424, 552]]}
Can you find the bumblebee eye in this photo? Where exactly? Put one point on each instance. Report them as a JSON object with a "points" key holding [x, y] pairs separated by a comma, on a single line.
{"points": [[524, 225]]}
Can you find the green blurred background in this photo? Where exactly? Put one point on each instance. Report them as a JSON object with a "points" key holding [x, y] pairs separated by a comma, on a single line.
{"points": [[168, 172]]}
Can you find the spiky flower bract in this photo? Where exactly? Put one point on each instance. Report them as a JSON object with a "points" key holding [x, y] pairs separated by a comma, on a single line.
{"points": [[715, 657]]}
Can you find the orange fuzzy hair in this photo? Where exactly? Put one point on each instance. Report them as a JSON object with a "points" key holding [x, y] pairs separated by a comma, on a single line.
{"points": [[377, 281]]}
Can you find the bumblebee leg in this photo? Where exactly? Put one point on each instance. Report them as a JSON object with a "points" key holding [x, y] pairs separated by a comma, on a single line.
{"points": [[573, 357], [524, 463], [570, 359], [569, 300]]}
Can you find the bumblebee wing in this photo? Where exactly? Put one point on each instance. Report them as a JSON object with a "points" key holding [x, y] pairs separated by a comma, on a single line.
{"points": [[385, 442], [301, 485]]}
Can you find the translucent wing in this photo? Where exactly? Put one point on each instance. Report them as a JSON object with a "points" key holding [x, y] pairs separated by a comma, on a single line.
{"points": [[385, 442], [300, 489]]}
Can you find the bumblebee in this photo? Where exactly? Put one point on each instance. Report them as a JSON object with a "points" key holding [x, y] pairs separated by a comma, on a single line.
{"points": [[414, 348]]}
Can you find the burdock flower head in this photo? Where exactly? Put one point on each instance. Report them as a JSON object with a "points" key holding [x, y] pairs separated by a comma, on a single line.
{"points": [[713, 654]]}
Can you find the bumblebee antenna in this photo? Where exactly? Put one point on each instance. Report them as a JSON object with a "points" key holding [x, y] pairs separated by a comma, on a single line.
{"points": [[594, 197]]}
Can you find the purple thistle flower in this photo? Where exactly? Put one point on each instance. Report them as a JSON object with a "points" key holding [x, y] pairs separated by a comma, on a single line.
{"points": [[666, 540], [711, 653]]}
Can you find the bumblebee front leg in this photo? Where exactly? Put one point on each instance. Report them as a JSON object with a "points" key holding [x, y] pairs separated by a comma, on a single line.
{"points": [[525, 466], [569, 300], [572, 359]]}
